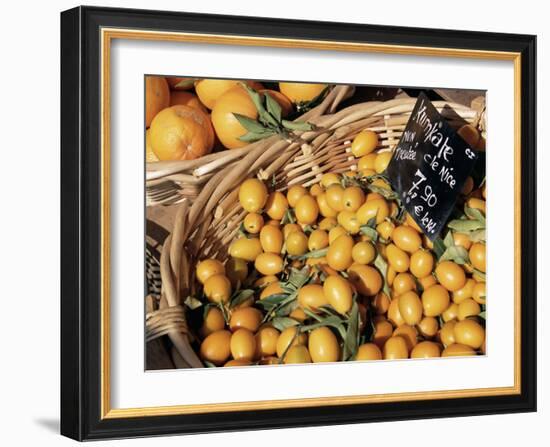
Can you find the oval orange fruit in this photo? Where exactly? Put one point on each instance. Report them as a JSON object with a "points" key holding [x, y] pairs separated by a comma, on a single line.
{"points": [[181, 133]]}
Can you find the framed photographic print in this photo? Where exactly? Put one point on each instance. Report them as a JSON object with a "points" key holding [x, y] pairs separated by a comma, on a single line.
{"points": [[274, 223]]}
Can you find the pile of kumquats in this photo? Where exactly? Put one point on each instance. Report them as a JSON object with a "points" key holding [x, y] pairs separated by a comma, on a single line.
{"points": [[340, 272]]}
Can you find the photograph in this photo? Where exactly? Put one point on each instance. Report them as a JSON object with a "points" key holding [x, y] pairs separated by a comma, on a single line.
{"points": [[278, 224], [352, 227], [273, 223]]}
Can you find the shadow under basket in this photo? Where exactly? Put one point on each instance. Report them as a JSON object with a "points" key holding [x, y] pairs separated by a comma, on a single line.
{"points": [[206, 191]]}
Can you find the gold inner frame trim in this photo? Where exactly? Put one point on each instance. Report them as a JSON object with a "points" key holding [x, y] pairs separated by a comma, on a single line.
{"points": [[107, 35]]}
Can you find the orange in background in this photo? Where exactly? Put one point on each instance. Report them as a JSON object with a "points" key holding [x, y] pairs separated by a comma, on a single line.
{"points": [[301, 92], [183, 98], [237, 100], [209, 90], [181, 133], [157, 97]]}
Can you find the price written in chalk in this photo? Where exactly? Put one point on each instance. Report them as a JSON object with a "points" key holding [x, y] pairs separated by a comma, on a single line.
{"points": [[429, 167]]}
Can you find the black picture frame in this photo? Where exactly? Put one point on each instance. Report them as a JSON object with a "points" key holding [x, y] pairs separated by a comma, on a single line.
{"points": [[81, 218]]}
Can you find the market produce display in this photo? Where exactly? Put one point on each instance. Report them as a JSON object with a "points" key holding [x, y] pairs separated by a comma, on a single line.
{"points": [[338, 273], [335, 271], [182, 128]]}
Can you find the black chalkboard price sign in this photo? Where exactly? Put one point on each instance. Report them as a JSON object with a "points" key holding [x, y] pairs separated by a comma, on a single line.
{"points": [[429, 167]]}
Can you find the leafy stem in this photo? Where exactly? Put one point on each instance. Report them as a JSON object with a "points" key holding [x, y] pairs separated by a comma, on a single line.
{"points": [[270, 119], [304, 106]]}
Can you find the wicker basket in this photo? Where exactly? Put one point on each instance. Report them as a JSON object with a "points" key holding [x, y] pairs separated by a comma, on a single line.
{"points": [[206, 189]]}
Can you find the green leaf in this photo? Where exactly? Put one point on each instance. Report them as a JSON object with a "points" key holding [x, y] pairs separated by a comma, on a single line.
{"points": [[185, 83], [466, 226], [224, 312], [288, 288], [271, 301], [369, 231], [482, 315], [297, 125], [382, 266], [346, 181], [328, 309], [240, 297], [313, 315], [439, 247], [311, 254], [288, 217], [401, 211], [242, 231], [478, 236], [449, 240], [273, 107], [192, 303], [384, 192], [258, 99], [249, 124], [251, 137], [351, 341], [269, 121], [298, 278], [304, 106], [282, 323], [209, 364], [474, 214], [373, 177], [332, 321], [254, 96], [480, 274], [287, 307], [455, 253]]}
